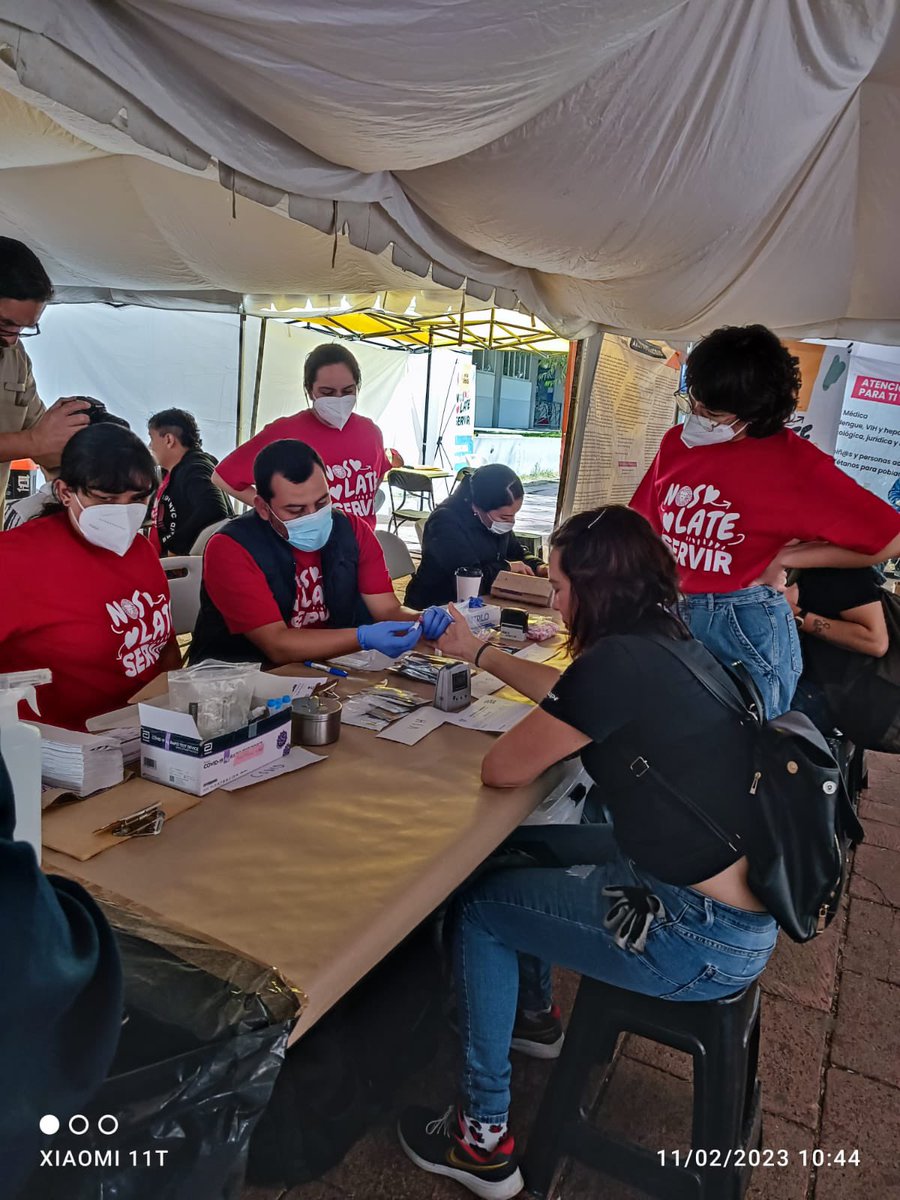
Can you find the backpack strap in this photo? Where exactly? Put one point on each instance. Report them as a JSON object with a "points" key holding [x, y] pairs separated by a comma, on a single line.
{"points": [[729, 691], [639, 767]]}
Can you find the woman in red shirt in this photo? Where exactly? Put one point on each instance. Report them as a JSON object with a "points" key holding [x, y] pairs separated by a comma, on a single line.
{"points": [[737, 496], [350, 445], [83, 593]]}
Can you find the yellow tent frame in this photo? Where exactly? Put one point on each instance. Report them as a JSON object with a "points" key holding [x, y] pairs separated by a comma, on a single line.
{"points": [[485, 329]]}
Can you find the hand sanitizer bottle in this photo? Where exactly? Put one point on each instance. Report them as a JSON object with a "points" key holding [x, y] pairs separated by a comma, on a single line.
{"points": [[20, 744]]}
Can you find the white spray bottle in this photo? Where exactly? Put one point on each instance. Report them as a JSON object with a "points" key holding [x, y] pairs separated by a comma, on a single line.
{"points": [[20, 744]]}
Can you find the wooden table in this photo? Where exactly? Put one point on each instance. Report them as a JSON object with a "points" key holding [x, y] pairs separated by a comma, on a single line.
{"points": [[322, 872]]}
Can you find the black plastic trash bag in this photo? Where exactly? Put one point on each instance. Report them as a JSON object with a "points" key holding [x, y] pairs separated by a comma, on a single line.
{"points": [[202, 1043]]}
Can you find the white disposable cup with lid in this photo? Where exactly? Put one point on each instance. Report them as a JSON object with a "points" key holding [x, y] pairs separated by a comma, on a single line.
{"points": [[468, 583]]}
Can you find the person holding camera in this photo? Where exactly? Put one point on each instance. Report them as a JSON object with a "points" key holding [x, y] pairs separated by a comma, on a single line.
{"points": [[27, 428], [18, 512]]}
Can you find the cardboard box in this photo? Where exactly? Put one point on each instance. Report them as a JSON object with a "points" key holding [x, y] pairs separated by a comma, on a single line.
{"points": [[526, 589], [174, 754]]}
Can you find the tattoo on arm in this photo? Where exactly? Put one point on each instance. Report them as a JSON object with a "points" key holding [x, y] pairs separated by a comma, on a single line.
{"points": [[820, 625]]}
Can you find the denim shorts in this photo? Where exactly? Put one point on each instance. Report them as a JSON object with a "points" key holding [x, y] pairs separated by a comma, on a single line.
{"points": [[756, 627]]}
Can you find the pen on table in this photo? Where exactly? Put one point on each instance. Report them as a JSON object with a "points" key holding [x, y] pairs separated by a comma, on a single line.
{"points": [[317, 666]]}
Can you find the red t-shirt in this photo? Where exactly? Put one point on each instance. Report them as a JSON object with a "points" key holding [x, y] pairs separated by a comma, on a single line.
{"points": [[99, 622], [354, 458], [727, 510], [240, 592]]}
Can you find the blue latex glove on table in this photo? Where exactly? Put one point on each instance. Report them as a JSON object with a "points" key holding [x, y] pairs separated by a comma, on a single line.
{"points": [[435, 623], [392, 638]]}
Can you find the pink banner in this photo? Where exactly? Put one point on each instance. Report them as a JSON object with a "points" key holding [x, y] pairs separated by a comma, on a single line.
{"points": [[881, 391]]}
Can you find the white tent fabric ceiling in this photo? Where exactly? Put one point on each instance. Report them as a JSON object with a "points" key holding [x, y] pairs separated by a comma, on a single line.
{"points": [[650, 166]]}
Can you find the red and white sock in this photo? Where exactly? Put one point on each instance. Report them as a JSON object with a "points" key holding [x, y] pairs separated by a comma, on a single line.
{"points": [[480, 1135]]}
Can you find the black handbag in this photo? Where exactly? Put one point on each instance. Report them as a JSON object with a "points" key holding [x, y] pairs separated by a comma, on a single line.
{"points": [[802, 822]]}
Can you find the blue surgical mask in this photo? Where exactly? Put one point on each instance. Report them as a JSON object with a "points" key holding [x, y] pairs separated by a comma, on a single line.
{"points": [[310, 532]]}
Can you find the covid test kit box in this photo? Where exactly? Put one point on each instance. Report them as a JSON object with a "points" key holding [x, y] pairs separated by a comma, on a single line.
{"points": [[173, 752]]}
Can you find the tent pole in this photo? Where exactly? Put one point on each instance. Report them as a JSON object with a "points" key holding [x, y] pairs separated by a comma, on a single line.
{"points": [[427, 396], [239, 415], [254, 415]]}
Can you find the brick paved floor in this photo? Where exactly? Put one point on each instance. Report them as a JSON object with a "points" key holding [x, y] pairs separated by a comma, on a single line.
{"points": [[830, 1060]]}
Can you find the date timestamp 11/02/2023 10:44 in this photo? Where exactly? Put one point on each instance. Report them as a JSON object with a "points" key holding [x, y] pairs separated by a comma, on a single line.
{"points": [[740, 1157]]}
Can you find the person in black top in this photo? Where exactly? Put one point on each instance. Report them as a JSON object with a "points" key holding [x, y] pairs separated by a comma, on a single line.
{"points": [[840, 615], [61, 1000], [665, 908], [472, 528], [187, 501]]}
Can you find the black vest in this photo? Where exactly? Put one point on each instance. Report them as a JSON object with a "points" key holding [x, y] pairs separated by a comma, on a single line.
{"points": [[274, 557]]}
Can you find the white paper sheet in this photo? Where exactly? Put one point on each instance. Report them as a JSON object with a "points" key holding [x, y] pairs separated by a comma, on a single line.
{"points": [[484, 683], [295, 686], [297, 758], [491, 714], [537, 652], [412, 728]]}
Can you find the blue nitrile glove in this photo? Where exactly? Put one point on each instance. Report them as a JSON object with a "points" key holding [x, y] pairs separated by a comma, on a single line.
{"points": [[435, 622], [392, 638]]}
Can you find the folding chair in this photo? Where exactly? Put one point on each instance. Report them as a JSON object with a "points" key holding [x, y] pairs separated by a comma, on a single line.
{"points": [[410, 484]]}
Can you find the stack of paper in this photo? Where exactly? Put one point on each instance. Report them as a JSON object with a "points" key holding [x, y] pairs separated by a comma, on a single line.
{"points": [[122, 728], [82, 763]]}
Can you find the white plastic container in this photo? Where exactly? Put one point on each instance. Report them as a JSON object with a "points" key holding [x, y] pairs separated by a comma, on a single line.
{"points": [[20, 744], [565, 803]]}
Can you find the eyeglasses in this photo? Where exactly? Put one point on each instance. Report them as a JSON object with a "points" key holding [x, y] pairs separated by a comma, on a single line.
{"points": [[685, 401], [19, 330]]}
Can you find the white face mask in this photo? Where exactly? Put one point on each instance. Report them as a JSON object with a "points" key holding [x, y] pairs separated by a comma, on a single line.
{"points": [[111, 526], [502, 526], [701, 431], [498, 527], [334, 410]]}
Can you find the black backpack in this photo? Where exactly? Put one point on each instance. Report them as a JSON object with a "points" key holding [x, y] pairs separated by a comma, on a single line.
{"points": [[803, 822]]}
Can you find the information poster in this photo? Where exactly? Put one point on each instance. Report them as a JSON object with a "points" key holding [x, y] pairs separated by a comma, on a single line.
{"points": [[868, 441], [632, 405], [463, 419], [823, 370]]}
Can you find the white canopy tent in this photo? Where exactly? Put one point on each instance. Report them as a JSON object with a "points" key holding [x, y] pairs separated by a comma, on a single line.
{"points": [[140, 360], [648, 166]]}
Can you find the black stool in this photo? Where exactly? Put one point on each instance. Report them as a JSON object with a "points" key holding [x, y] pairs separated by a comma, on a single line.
{"points": [[723, 1038]]}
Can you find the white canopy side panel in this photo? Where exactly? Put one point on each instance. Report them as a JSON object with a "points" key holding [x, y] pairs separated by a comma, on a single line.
{"points": [[138, 361]]}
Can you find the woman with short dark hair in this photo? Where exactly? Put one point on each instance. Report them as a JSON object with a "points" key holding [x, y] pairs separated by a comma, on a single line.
{"points": [[666, 909], [83, 593], [350, 445], [472, 529], [733, 487]]}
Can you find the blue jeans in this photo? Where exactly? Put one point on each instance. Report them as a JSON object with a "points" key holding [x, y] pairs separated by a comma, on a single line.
{"points": [[756, 627], [699, 949]]}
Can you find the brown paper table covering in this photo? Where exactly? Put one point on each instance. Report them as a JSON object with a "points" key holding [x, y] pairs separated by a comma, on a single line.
{"points": [[322, 872], [69, 826]]}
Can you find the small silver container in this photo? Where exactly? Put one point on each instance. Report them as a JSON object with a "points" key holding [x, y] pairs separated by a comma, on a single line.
{"points": [[316, 721]]}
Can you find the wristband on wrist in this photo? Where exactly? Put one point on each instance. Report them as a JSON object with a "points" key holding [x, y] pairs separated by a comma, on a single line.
{"points": [[484, 646], [800, 617]]}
